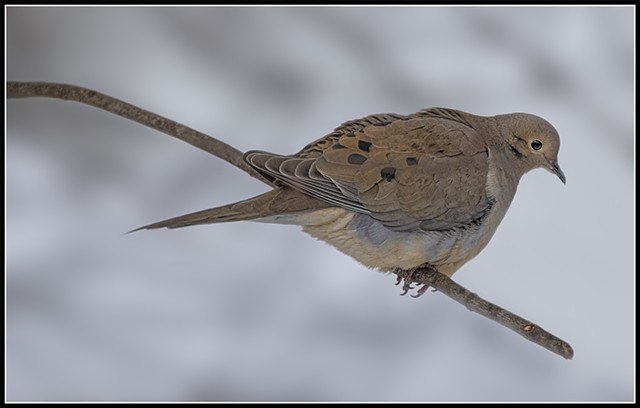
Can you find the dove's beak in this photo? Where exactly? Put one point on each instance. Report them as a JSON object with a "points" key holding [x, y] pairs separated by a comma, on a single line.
{"points": [[555, 169]]}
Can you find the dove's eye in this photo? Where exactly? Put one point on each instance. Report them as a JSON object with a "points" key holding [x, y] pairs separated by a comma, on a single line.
{"points": [[536, 144]]}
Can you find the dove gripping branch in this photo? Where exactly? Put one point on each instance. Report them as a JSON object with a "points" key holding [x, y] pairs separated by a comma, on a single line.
{"points": [[399, 192]]}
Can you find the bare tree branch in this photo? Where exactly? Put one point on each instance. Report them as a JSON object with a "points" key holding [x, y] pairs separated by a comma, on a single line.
{"points": [[126, 110], [424, 276], [528, 330]]}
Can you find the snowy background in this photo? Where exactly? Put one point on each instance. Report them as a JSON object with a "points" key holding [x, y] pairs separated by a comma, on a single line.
{"points": [[251, 311]]}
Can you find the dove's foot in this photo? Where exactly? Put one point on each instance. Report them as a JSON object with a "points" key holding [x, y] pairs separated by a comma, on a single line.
{"points": [[408, 280]]}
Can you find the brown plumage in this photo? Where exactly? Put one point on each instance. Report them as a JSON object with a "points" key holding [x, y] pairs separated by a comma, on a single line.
{"points": [[398, 191]]}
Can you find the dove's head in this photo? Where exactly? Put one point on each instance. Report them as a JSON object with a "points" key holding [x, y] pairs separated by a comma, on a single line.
{"points": [[533, 140]]}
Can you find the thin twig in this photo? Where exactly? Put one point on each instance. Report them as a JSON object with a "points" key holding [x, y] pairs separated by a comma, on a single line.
{"points": [[430, 277], [525, 328], [126, 110]]}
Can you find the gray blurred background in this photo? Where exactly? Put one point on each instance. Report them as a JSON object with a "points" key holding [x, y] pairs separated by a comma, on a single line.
{"points": [[251, 311]]}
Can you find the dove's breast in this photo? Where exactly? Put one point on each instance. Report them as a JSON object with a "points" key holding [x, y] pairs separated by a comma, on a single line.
{"points": [[375, 246]]}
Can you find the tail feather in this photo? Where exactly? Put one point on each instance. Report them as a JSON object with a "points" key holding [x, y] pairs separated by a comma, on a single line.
{"points": [[209, 216], [283, 200]]}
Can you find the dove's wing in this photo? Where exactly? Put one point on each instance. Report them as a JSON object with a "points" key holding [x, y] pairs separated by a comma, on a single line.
{"points": [[426, 171]]}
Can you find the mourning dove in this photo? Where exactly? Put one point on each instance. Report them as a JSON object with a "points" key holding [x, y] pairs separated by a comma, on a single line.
{"points": [[393, 191]]}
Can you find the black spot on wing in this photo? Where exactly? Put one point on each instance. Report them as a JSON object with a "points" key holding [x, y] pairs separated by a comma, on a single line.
{"points": [[356, 158], [388, 173], [365, 146], [411, 161]]}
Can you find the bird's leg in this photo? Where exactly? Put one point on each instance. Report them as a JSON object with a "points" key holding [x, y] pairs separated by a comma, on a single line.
{"points": [[421, 291], [404, 274], [407, 276]]}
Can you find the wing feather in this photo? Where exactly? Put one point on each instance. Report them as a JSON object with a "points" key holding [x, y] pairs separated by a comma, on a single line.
{"points": [[407, 172]]}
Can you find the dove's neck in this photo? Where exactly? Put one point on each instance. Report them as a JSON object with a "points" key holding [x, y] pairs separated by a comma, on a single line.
{"points": [[505, 170], [502, 184]]}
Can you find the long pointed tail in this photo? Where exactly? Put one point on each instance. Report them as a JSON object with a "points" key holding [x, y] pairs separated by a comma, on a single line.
{"points": [[242, 210], [283, 200]]}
